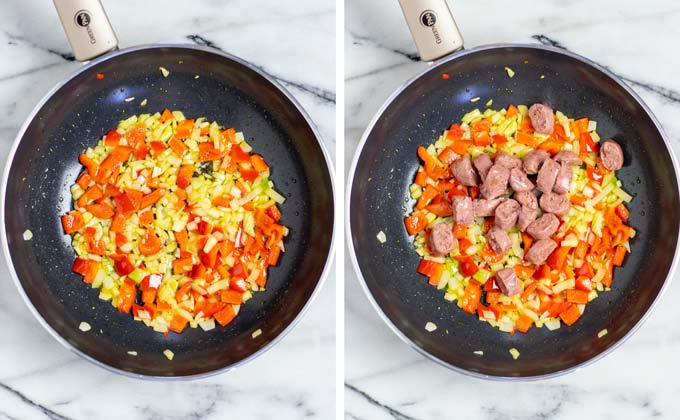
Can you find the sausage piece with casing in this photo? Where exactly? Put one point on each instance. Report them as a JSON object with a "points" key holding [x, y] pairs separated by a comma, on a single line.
{"points": [[496, 182], [540, 251], [547, 175], [463, 210], [506, 214], [526, 199], [442, 240], [554, 203], [499, 241], [507, 160], [464, 172], [526, 216], [484, 207], [568, 157], [611, 155], [544, 226], [542, 118], [519, 181], [533, 161], [563, 179], [507, 281], [482, 163]]}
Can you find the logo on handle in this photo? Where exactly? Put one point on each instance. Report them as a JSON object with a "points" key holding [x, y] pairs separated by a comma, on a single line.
{"points": [[428, 19], [83, 19]]}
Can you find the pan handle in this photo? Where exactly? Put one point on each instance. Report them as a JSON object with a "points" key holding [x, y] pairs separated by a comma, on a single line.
{"points": [[87, 28], [432, 27]]}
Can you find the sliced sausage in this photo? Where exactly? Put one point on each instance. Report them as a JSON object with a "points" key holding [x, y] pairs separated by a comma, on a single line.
{"points": [[499, 241], [442, 240], [519, 181], [534, 159], [563, 179], [507, 281], [526, 216], [464, 172], [526, 199], [542, 118], [568, 157], [540, 251], [554, 203], [507, 160], [544, 226], [482, 163], [484, 207], [506, 214], [463, 212], [496, 182], [611, 155], [547, 175]]}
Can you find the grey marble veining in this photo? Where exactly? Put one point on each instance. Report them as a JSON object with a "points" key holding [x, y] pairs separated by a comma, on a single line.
{"points": [[39, 379], [385, 379]]}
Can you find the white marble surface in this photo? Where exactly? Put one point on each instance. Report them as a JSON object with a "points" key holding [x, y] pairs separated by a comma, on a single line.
{"points": [[385, 379], [39, 379]]}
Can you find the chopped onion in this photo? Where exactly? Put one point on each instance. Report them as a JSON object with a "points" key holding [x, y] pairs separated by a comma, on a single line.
{"points": [[28, 235], [169, 354], [430, 326], [381, 237], [84, 327]]}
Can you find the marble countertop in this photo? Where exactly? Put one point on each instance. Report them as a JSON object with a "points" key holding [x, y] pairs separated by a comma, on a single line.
{"points": [[385, 379], [40, 379]]}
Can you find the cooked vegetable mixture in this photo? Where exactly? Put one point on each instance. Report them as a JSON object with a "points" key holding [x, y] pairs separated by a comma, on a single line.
{"points": [[519, 216], [175, 220]]}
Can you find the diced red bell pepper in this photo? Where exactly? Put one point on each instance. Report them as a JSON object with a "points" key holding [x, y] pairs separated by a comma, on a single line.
{"points": [[123, 265]]}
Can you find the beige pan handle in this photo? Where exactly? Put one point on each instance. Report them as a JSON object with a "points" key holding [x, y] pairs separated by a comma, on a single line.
{"points": [[432, 27], [87, 28]]}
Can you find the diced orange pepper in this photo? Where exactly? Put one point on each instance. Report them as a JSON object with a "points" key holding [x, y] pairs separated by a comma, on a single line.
{"points": [[570, 315], [577, 296]]}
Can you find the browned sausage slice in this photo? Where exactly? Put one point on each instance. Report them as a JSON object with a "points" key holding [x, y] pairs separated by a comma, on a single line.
{"points": [[534, 159], [526, 216], [442, 240], [499, 241], [507, 281], [464, 172], [568, 157], [526, 199], [506, 214], [519, 181], [611, 155], [496, 182], [482, 163], [563, 179], [544, 226], [547, 175], [484, 207], [507, 160], [542, 118], [463, 212], [554, 203]]}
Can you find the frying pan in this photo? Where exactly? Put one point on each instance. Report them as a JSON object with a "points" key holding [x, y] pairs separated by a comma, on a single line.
{"points": [[417, 113], [43, 163]]}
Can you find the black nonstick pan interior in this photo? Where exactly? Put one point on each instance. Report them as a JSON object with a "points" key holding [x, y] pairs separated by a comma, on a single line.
{"points": [[385, 168], [201, 83]]}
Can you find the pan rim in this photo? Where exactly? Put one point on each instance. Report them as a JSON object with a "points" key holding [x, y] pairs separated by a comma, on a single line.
{"points": [[357, 154], [5, 244]]}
